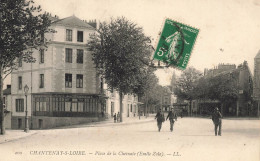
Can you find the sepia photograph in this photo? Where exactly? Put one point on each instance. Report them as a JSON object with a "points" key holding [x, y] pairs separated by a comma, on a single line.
{"points": [[144, 80]]}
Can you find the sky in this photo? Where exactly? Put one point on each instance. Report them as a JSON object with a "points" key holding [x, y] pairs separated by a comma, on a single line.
{"points": [[229, 29]]}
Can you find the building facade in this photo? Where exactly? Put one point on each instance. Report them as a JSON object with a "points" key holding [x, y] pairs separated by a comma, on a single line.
{"points": [[64, 87], [130, 104], [7, 103], [244, 80], [256, 93]]}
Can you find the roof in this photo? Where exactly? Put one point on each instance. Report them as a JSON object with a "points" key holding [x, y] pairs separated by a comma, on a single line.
{"points": [[236, 70], [7, 91], [73, 21], [257, 55]]}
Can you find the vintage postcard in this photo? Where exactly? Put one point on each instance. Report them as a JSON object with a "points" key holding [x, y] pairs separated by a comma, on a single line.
{"points": [[144, 80]]}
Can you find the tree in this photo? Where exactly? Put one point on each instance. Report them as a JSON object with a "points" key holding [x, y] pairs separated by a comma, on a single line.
{"points": [[22, 27], [146, 87], [223, 87], [120, 51], [186, 84], [202, 88], [155, 96]]}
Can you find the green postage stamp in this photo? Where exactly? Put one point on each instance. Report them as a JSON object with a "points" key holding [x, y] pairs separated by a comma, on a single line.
{"points": [[175, 44]]}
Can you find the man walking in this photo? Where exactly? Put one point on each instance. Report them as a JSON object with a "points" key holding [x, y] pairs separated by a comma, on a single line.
{"points": [[216, 118], [160, 118], [171, 115]]}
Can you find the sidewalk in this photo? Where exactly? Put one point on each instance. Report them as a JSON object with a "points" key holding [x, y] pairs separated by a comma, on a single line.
{"points": [[126, 121], [110, 122], [13, 135]]}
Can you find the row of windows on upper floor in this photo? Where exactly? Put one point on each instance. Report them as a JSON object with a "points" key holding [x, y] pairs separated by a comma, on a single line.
{"points": [[68, 56], [80, 37], [68, 81], [69, 36]]}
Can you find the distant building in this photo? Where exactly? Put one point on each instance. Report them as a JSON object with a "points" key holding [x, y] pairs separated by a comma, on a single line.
{"points": [[163, 101], [219, 69], [242, 107], [130, 104], [168, 99], [64, 87], [256, 90]]}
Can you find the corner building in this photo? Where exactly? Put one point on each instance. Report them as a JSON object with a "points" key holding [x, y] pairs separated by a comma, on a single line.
{"points": [[64, 87]]}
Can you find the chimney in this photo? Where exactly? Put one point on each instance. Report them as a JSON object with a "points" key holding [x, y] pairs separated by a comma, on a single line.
{"points": [[245, 63], [93, 23]]}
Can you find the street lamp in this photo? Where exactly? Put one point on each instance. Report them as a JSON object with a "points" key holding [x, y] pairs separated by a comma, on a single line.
{"points": [[26, 89]]}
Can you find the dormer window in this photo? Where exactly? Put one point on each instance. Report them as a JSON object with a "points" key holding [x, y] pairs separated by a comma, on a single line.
{"points": [[80, 36], [68, 35]]}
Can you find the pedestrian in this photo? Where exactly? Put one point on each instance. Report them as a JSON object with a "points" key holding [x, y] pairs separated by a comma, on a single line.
{"points": [[114, 118], [118, 117], [160, 119], [216, 118], [171, 115]]}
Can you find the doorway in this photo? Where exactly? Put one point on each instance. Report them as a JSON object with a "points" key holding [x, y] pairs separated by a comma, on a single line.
{"points": [[40, 123], [19, 123]]}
